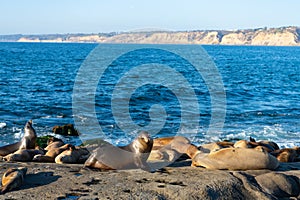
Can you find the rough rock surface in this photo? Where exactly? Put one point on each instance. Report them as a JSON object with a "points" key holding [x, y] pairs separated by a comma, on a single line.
{"points": [[179, 181]]}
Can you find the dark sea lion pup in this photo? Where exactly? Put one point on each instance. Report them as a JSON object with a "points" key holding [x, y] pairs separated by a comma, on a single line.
{"points": [[27, 142], [132, 156]]}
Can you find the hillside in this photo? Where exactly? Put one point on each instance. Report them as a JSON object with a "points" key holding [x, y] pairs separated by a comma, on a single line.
{"points": [[284, 36]]}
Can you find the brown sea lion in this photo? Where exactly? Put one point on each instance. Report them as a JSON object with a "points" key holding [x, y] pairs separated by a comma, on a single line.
{"points": [[13, 178], [192, 151], [236, 159], [132, 156], [225, 144], [23, 155], [210, 147], [73, 155], [51, 154], [287, 154], [161, 142], [242, 144], [53, 143], [178, 149], [27, 142], [214, 146], [164, 154], [168, 148], [272, 146], [266, 145]]}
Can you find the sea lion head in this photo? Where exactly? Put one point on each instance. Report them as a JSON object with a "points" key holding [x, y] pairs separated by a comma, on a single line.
{"points": [[143, 143], [29, 130], [53, 139]]}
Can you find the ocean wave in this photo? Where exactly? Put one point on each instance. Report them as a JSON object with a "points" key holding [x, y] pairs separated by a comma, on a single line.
{"points": [[276, 133]]}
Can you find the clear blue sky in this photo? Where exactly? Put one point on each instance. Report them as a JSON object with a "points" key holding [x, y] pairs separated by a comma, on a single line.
{"points": [[94, 16]]}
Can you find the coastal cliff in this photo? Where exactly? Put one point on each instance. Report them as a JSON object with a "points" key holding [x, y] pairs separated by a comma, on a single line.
{"points": [[284, 36]]}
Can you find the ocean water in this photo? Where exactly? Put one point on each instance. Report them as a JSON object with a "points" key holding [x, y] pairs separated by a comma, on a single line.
{"points": [[262, 88]]}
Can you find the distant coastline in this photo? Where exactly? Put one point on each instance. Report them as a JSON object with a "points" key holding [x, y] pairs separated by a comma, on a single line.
{"points": [[282, 36]]}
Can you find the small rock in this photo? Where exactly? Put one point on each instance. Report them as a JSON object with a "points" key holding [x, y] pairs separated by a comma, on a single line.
{"points": [[67, 129]]}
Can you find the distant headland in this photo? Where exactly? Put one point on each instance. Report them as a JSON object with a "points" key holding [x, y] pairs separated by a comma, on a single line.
{"points": [[283, 36]]}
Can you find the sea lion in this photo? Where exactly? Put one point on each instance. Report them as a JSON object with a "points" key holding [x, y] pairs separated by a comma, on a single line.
{"points": [[266, 145], [29, 139], [242, 144], [27, 142], [210, 147], [287, 154], [236, 159], [132, 156], [162, 142], [53, 143], [164, 154], [13, 178], [73, 155], [51, 154], [177, 149], [269, 144], [272, 146], [174, 152], [23, 155]]}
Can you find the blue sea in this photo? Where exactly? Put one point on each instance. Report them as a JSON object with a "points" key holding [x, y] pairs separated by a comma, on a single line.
{"points": [[261, 87]]}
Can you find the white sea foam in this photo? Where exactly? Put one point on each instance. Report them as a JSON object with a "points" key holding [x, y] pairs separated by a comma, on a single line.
{"points": [[274, 133], [17, 133], [2, 124], [46, 117]]}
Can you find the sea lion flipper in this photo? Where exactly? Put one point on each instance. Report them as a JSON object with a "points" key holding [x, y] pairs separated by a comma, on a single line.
{"points": [[3, 190]]}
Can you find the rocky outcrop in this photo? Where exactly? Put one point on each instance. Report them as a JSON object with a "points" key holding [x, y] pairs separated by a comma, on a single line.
{"points": [[53, 181], [284, 36]]}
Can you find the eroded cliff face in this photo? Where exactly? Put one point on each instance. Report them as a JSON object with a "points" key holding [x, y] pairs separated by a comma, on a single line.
{"points": [[285, 36], [276, 38]]}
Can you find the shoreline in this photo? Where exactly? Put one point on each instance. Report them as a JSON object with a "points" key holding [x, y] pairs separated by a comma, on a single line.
{"points": [[120, 43], [177, 181], [280, 36]]}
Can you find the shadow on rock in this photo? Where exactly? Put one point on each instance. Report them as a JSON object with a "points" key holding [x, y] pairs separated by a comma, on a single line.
{"points": [[39, 179], [288, 166]]}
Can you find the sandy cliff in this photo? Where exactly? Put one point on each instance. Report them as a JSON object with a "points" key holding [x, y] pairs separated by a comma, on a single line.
{"points": [[284, 36]]}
